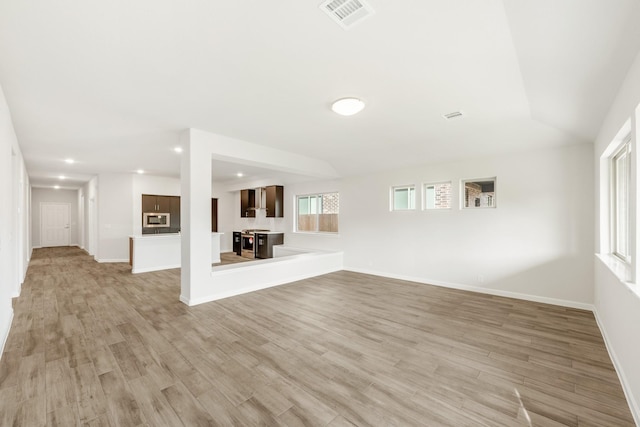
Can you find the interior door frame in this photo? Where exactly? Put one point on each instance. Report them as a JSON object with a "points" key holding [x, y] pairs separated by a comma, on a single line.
{"points": [[42, 206]]}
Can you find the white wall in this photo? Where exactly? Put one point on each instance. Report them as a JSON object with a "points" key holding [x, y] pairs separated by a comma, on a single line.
{"points": [[115, 223], [90, 222], [537, 243], [326, 242], [227, 215], [14, 214], [617, 304], [49, 195]]}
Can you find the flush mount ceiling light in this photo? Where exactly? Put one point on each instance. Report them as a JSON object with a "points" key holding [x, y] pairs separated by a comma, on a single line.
{"points": [[69, 161], [178, 149], [239, 174], [140, 171], [61, 177], [347, 106]]}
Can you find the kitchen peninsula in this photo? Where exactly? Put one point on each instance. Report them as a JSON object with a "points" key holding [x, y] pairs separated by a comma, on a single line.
{"points": [[152, 252]]}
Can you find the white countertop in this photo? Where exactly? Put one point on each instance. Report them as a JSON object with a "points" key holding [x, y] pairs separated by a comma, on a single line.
{"points": [[264, 232], [162, 235]]}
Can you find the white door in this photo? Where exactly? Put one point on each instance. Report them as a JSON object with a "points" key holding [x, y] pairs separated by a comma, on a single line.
{"points": [[54, 230]]}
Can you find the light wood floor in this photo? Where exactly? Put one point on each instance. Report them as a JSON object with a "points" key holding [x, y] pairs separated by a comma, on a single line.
{"points": [[93, 345]]}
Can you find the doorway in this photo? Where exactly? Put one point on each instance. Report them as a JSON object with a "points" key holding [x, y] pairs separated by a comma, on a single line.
{"points": [[54, 224]]}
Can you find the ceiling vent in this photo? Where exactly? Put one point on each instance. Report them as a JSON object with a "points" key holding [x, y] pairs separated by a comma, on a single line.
{"points": [[347, 13], [453, 115]]}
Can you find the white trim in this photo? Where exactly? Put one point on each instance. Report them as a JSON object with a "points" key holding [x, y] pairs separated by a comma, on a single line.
{"points": [[104, 261], [296, 214], [423, 192], [634, 404], [392, 198], [156, 268], [488, 291], [462, 195], [5, 334]]}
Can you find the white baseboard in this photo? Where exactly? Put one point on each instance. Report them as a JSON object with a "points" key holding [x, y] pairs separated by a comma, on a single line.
{"points": [[40, 246], [488, 291], [105, 261], [156, 268], [5, 333], [634, 404]]}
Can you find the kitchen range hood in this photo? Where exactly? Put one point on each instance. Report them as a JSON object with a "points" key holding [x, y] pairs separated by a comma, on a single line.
{"points": [[260, 200]]}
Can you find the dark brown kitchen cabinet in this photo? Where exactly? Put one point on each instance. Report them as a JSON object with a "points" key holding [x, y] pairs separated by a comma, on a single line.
{"points": [[265, 242], [237, 243], [214, 215], [160, 204], [149, 203], [247, 203], [174, 210], [275, 201], [152, 203]]}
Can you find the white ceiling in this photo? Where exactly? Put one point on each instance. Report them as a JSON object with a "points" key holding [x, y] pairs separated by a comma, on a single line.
{"points": [[113, 83]]}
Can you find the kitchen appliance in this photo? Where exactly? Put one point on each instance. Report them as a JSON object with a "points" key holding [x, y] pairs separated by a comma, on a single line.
{"points": [[154, 219], [264, 243], [248, 247]]}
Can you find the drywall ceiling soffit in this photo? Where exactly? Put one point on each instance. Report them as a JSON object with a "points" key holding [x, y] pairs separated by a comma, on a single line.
{"points": [[574, 55]]}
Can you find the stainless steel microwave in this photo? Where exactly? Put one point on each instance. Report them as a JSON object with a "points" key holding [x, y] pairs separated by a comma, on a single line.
{"points": [[154, 219]]}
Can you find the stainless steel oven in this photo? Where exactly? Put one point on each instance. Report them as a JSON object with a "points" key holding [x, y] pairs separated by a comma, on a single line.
{"points": [[248, 242], [248, 248]]}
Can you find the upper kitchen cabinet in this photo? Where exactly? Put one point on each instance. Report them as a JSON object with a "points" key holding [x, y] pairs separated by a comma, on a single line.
{"points": [[248, 203], [274, 201], [270, 198], [152, 203]]}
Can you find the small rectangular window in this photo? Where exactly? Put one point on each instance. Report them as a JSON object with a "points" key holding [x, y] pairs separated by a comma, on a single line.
{"points": [[620, 180], [437, 196], [318, 213], [479, 193], [403, 198]]}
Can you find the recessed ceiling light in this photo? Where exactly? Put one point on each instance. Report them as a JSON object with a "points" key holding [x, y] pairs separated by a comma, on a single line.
{"points": [[57, 187], [347, 106], [69, 161], [178, 149], [239, 174], [140, 171], [62, 177]]}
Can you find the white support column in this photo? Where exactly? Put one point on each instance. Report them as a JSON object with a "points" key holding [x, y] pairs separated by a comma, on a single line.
{"points": [[195, 176]]}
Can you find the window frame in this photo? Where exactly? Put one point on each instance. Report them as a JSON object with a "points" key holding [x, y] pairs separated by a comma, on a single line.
{"points": [[433, 184], [621, 152], [392, 198], [318, 212], [463, 193]]}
